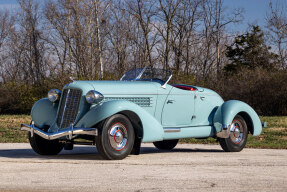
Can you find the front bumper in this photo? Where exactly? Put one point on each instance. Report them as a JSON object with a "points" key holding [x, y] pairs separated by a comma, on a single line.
{"points": [[69, 132]]}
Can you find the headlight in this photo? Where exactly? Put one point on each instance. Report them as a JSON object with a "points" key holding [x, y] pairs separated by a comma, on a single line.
{"points": [[94, 97], [54, 95]]}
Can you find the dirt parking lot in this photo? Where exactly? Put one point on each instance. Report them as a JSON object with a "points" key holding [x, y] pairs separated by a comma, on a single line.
{"points": [[188, 167]]}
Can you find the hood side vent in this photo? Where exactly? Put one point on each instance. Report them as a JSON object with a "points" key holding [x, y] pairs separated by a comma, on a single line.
{"points": [[141, 101]]}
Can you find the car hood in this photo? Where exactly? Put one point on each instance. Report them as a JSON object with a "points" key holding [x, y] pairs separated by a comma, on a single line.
{"points": [[118, 87]]}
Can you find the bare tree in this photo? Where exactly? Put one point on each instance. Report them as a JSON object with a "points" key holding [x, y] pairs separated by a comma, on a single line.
{"points": [[32, 45], [118, 36], [221, 21], [277, 25], [6, 28], [78, 24], [213, 36], [6, 23], [186, 18], [168, 9], [99, 9], [143, 12]]}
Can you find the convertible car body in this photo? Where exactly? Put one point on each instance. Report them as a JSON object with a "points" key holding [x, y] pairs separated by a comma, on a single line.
{"points": [[117, 116]]}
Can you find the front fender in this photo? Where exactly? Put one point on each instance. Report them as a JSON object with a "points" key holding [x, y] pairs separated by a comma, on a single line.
{"points": [[225, 114], [44, 112], [152, 129]]}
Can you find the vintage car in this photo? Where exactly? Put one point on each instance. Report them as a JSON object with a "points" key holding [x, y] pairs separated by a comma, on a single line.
{"points": [[117, 116]]}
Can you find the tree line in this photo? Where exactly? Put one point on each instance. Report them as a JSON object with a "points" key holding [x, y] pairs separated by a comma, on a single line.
{"points": [[44, 43]]}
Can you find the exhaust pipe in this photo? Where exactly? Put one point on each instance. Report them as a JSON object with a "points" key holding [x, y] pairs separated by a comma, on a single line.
{"points": [[65, 132]]}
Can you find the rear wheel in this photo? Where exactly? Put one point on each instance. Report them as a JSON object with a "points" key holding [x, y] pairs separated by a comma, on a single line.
{"points": [[238, 136], [166, 144], [43, 146], [116, 137]]}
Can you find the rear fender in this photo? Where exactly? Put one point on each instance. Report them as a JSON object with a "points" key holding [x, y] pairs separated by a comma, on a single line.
{"points": [[152, 129], [225, 114]]}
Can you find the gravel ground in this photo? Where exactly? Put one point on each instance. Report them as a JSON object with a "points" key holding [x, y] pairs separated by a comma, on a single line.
{"points": [[189, 167]]}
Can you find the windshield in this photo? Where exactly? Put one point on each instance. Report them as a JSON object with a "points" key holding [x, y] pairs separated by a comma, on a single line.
{"points": [[133, 74], [147, 74]]}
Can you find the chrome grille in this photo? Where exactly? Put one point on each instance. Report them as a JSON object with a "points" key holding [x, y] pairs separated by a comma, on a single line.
{"points": [[69, 107]]}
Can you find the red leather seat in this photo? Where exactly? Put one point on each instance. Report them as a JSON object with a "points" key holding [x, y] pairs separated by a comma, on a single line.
{"points": [[185, 87]]}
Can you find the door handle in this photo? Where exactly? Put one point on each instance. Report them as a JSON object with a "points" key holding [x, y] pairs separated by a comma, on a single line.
{"points": [[170, 101], [202, 98]]}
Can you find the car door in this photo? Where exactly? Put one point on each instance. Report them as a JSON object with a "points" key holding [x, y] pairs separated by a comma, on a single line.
{"points": [[178, 109]]}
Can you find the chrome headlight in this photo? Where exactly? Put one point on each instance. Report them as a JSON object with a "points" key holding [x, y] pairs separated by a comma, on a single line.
{"points": [[93, 97], [54, 95]]}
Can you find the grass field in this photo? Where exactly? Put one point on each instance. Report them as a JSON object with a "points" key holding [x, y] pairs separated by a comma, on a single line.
{"points": [[10, 128], [274, 136]]}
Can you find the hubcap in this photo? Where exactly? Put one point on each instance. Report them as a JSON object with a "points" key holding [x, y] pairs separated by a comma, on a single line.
{"points": [[236, 130], [118, 136]]}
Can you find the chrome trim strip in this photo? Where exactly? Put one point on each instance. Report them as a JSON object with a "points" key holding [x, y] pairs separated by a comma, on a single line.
{"points": [[65, 106], [65, 132], [171, 130]]}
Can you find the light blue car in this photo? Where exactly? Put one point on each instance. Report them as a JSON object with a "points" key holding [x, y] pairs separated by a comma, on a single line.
{"points": [[117, 116]]}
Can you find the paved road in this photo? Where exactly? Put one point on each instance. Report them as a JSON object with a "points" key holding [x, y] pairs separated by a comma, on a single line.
{"points": [[187, 168]]}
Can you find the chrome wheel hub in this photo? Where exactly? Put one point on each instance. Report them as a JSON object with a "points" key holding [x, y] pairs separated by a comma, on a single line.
{"points": [[118, 136], [236, 132]]}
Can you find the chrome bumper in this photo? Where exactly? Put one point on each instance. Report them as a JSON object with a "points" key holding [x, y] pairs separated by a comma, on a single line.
{"points": [[225, 132], [69, 132]]}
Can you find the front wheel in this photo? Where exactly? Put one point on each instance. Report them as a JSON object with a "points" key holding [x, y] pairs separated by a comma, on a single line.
{"points": [[238, 136], [166, 144], [116, 138], [43, 146]]}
